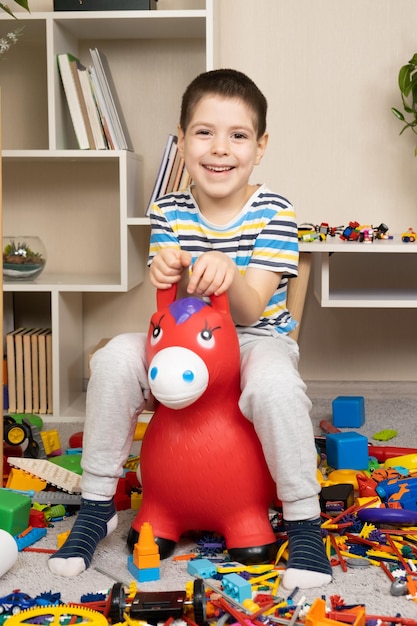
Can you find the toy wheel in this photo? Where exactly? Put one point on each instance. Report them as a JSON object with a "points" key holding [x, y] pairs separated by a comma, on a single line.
{"points": [[199, 602], [57, 616], [117, 603], [412, 239], [14, 434]]}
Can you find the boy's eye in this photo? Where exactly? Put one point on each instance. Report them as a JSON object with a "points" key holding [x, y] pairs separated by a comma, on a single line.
{"points": [[203, 132], [239, 136]]}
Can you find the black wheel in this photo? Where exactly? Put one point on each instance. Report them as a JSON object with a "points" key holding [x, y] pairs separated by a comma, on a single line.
{"points": [[14, 434], [117, 603], [199, 602]]}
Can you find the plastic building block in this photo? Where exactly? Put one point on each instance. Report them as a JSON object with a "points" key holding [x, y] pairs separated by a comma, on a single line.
{"points": [[14, 512], [30, 538], [52, 473], [70, 462], [317, 616], [143, 575], [51, 442], [237, 587], [336, 498], [37, 519], [135, 500], [348, 411], [203, 568], [21, 480], [57, 497], [347, 451], [61, 538], [146, 551], [145, 561]]}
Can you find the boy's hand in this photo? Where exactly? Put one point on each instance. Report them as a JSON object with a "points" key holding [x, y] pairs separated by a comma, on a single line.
{"points": [[167, 267], [213, 273]]}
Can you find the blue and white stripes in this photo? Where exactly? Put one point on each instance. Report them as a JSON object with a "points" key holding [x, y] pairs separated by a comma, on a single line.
{"points": [[263, 236]]}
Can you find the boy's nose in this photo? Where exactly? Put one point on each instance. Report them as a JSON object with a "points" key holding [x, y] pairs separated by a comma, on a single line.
{"points": [[220, 145]]}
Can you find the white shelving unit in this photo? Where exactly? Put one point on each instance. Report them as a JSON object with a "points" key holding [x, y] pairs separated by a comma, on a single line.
{"points": [[349, 274], [88, 206]]}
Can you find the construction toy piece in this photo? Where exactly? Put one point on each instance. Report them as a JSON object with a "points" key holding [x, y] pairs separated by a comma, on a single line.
{"points": [[52, 473], [348, 411], [144, 565], [347, 451], [63, 614], [14, 511], [385, 435], [203, 568], [336, 498], [20, 480], [202, 466], [237, 587], [25, 540]]}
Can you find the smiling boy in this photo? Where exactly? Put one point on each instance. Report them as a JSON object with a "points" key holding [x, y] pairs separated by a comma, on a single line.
{"points": [[222, 234]]}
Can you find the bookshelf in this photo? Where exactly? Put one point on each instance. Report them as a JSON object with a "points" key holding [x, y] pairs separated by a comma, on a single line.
{"points": [[88, 206]]}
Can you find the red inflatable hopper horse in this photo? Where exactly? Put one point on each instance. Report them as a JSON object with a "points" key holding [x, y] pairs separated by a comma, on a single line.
{"points": [[201, 463]]}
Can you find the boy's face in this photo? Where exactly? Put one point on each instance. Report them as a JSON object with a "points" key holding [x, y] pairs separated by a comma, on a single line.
{"points": [[220, 147]]}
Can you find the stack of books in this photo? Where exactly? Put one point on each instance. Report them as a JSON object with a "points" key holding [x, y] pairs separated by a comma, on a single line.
{"points": [[92, 101], [29, 370], [172, 174]]}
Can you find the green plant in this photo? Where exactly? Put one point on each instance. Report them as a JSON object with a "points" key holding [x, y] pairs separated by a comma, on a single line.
{"points": [[407, 82], [22, 3], [20, 253]]}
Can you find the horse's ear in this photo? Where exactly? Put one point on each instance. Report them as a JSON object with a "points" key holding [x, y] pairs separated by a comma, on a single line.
{"points": [[165, 297], [220, 303]]}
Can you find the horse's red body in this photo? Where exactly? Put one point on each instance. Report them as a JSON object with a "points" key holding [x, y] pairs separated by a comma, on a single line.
{"points": [[201, 463]]}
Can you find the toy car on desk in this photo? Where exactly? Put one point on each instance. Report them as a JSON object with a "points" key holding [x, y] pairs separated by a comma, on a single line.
{"points": [[351, 232], [409, 236]]}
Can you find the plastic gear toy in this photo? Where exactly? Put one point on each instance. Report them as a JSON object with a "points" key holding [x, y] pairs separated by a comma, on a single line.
{"points": [[60, 615]]}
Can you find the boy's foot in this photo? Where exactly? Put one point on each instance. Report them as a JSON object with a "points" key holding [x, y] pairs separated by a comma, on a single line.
{"points": [[95, 520], [308, 565]]}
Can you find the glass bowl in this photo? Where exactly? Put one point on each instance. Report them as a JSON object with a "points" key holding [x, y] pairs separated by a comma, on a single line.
{"points": [[24, 257]]}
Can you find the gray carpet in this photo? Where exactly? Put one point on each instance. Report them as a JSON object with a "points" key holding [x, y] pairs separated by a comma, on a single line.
{"points": [[369, 586]]}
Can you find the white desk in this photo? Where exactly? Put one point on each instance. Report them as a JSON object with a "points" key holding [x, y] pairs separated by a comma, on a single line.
{"points": [[395, 286]]}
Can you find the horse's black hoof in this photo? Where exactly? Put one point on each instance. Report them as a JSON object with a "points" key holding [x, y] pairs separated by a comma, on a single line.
{"points": [[255, 555], [166, 546]]}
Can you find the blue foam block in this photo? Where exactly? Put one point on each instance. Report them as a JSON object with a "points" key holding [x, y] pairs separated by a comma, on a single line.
{"points": [[347, 451], [348, 411]]}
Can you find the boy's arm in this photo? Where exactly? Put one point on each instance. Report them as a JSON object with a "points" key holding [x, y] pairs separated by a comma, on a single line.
{"points": [[249, 294]]}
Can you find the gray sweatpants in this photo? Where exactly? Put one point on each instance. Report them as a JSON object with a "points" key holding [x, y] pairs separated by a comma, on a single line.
{"points": [[273, 398]]}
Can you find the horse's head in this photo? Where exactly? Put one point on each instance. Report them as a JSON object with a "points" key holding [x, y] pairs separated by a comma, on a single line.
{"points": [[191, 345]]}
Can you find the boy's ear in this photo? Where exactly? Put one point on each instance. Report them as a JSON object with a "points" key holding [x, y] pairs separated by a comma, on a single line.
{"points": [[180, 142], [262, 143]]}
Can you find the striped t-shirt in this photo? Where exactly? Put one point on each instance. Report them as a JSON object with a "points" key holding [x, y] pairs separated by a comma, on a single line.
{"points": [[263, 235]]}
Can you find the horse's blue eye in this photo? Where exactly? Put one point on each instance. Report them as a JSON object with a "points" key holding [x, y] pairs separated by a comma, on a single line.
{"points": [[188, 376], [153, 373]]}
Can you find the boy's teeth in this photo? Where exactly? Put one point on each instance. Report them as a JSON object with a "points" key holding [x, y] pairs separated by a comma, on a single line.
{"points": [[224, 168]]}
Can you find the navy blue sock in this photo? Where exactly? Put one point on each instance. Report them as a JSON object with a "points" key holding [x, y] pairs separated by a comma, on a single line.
{"points": [[95, 520], [308, 565]]}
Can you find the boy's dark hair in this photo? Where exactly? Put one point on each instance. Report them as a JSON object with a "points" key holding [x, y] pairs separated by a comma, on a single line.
{"points": [[229, 84]]}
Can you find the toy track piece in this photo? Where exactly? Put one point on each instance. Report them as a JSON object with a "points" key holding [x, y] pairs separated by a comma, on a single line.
{"points": [[56, 497], [60, 614], [53, 474]]}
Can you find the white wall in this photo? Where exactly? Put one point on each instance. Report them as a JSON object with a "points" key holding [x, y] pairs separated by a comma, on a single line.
{"points": [[329, 70]]}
